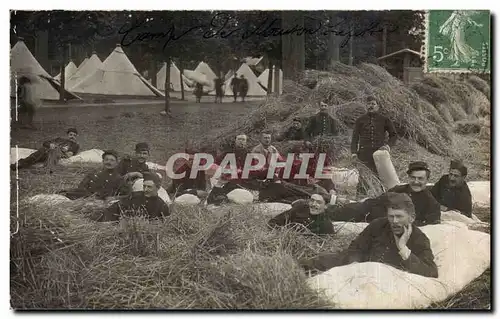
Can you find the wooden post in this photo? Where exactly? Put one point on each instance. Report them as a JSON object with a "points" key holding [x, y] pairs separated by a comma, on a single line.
{"points": [[167, 86], [293, 52], [333, 46], [384, 40], [351, 40], [270, 78], [277, 80], [181, 68], [406, 65]]}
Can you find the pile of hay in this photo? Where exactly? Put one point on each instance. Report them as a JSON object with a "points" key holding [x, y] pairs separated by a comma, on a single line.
{"points": [[195, 259], [345, 89]]}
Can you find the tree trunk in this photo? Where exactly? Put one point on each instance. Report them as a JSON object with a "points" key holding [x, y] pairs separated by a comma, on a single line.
{"points": [[333, 46], [351, 40], [167, 86], [384, 41], [293, 53], [62, 67], [270, 77], [181, 68], [153, 69], [277, 81]]}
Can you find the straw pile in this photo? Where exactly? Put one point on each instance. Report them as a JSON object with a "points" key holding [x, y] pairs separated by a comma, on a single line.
{"points": [[194, 259]]}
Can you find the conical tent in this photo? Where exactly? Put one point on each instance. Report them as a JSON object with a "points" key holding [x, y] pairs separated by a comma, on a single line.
{"points": [[254, 89], [203, 68], [175, 81], [87, 68], [263, 78], [116, 76], [23, 63], [83, 63], [69, 70]]}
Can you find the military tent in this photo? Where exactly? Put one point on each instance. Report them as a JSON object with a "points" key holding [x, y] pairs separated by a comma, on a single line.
{"points": [[23, 63], [175, 81], [85, 69], [69, 70], [116, 76], [254, 89]]}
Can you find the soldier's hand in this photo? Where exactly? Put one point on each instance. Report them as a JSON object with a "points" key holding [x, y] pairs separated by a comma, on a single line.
{"points": [[385, 148], [444, 208]]}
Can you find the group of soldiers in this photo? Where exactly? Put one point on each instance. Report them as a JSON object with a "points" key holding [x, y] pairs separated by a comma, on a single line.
{"points": [[239, 86], [392, 237]]}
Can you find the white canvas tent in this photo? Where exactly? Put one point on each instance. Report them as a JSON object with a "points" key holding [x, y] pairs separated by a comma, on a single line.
{"points": [[265, 76], [175, 81], [83, 63], [254, 89], [69, 70], [87, 68], [210, 75], [116, 76], [23, 63]]}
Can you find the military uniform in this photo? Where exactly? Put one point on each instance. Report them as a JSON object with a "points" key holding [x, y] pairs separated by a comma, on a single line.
{"points": [[295, 134], [455, 198], [369, 135], [136, 205], [300, 213], [103, 184], [187, 183], [128, 165], [42, 153]]}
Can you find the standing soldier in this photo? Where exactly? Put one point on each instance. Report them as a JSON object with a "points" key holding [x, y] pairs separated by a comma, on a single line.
{"points": [[219, 93], [243, 87], [28, 100], [198, 92], [369, 136], [322, 125], [235, 86]]}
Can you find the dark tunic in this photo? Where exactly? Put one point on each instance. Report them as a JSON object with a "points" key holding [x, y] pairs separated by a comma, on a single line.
{"points": [[427, 209], [135, 205], [61, 142], [103, 184], [455, 198], [41, 155], [322, 124], [369, 133], [376, 243], [294, 134], [218, 87], [301, 214], [243, 87], [182, 184], [128, 165]]}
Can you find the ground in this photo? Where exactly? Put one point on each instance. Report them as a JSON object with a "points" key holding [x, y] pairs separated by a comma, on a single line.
{"points": [[120, 127]]}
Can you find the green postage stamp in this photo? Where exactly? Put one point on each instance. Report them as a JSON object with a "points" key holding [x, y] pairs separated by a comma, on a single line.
{"points": [[457, 41]]}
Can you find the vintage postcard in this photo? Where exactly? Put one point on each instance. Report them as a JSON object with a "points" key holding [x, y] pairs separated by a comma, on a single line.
{"points": [[250, 160]]}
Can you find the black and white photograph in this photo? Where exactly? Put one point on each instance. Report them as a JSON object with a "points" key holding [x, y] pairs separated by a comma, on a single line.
{"points": [[250, 160]]}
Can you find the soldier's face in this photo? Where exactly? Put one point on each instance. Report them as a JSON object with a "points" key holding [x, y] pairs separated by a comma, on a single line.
{"points": [[398, 219], [150, 189], [266, 139], [456, 178], [142, 156], [72, 136], [323, 108], [373, 106], [418, 180], [316, 204], [241, 141], [109, 162], [296, 124]]}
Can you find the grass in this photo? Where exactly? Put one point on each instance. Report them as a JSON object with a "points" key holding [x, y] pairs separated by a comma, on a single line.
{"points": [[226, 259]]}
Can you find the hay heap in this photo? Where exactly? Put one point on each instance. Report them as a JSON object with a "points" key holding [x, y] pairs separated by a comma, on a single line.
{"points": [[345, 88], [195, 259]]}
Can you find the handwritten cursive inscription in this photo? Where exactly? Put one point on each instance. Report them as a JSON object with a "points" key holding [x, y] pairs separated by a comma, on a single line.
{"points": [[222, 26]]}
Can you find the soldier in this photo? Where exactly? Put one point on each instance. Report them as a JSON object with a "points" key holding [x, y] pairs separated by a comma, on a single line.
{"points": [[28, 100], [196, 186], [219, 92], [235, 86], [130, 166], [146, 203], [105, 183], [295, 132], [198, 92], [64, 147], [307, 213], [243, 87], [452, 192], [369, 136], [322, 125]]}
